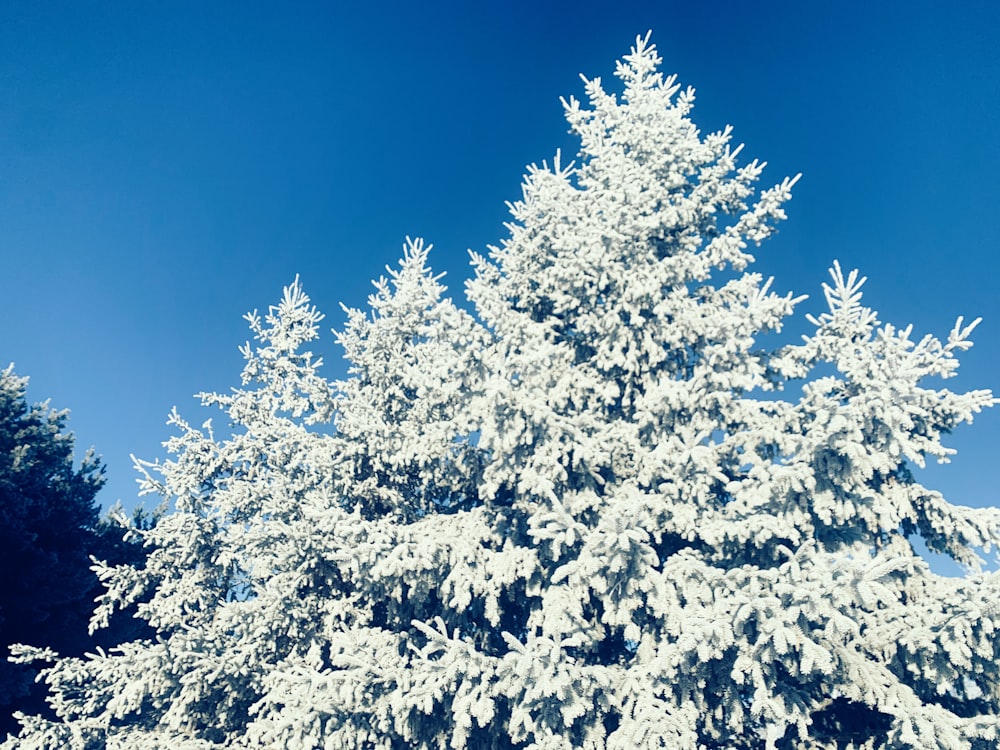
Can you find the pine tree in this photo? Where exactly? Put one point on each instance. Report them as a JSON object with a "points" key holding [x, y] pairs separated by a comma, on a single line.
{"points": [[47, 515], [599, 513]]}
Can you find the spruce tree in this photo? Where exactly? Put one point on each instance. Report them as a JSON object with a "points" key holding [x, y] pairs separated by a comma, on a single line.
{"points": [[48, 514], [597, 512]]}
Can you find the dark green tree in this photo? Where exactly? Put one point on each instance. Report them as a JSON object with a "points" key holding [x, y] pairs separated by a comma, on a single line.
{"points": [[49, 522]]}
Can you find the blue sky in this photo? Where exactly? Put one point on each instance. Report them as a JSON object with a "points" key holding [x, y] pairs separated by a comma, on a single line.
{"points": [[165, 168]]}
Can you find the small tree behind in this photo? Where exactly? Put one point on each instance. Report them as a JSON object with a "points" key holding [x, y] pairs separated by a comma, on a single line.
{"points": [[47, 516]]}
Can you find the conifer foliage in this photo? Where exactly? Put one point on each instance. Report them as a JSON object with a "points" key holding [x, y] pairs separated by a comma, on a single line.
{"points": [[594, 513], [48, 527]]}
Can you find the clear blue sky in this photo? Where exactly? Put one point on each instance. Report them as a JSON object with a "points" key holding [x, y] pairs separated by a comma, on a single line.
{"points": [[166, 167]]}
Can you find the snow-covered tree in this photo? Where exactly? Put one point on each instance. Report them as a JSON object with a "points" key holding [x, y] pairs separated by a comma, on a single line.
{"points": [[597, 513]]}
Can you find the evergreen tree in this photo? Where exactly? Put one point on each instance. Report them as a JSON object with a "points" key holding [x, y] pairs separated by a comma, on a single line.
{"points": [[47, 516], [598, 514]]}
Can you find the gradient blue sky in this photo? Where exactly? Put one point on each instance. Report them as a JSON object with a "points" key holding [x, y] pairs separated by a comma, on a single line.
{"points": [[166, 167]]}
